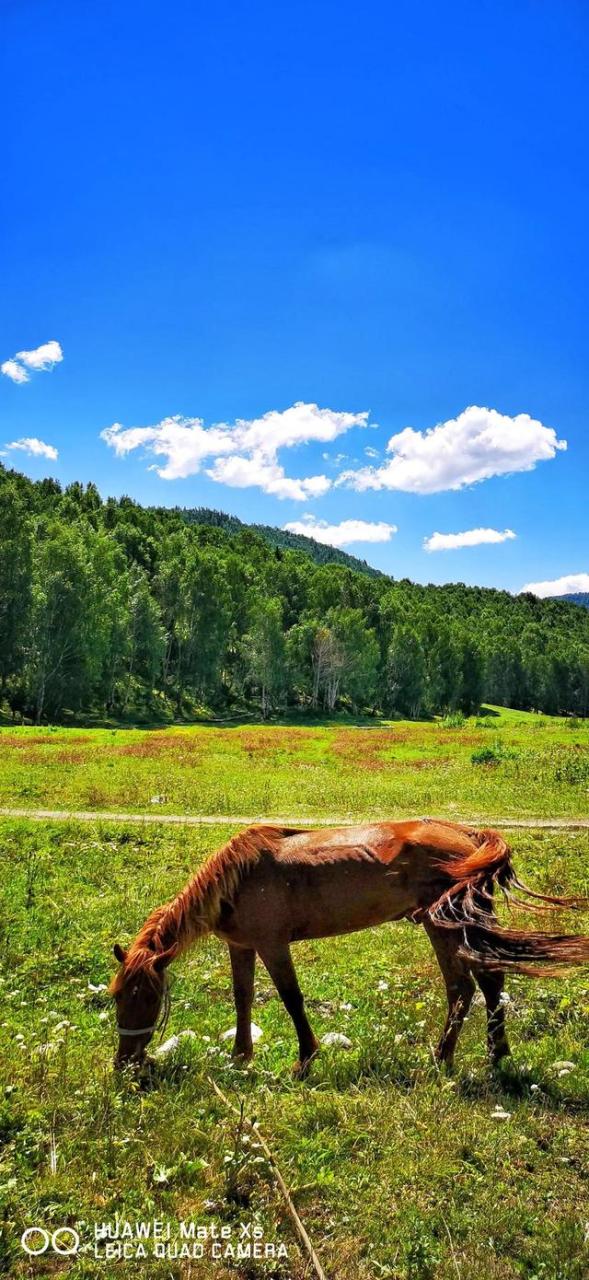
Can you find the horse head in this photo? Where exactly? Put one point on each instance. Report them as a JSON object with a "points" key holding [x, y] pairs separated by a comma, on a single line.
{"points": [[141, 995]]}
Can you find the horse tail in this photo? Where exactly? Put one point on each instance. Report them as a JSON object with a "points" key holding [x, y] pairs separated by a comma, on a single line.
{"points": [[467, 906]]}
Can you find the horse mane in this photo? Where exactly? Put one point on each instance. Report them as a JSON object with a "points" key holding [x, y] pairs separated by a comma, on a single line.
{"points": [[195, 909]]}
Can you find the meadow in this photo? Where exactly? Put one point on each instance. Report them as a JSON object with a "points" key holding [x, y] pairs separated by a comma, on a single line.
{"points": [[503, 763], [397, 1170]]}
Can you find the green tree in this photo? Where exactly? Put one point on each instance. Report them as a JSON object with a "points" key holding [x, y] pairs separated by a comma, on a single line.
{"points": [[405, 673], [16, 543], [145, 638], [202, 628], [471, 676], [345, 660], [264, 652], [63, 641], [442, 672]]}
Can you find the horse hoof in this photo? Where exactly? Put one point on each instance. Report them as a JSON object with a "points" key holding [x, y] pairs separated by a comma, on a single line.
{"points": [[499, 1054], [300, 1069], [242, 1056], [303, 1066], [501, 1061]]}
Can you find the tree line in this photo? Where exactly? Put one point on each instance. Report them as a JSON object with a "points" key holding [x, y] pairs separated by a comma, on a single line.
{"points": [[108, 607]]}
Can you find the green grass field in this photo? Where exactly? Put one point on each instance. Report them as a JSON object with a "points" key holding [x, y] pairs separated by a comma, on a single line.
{"points": [[397, 1171], [504, 763]]}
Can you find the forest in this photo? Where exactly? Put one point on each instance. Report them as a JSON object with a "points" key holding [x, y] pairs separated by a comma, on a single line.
{"points": [[112, 609]]}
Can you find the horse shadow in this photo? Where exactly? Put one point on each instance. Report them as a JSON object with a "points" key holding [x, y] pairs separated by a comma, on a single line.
{"points": [[506, 1083]]}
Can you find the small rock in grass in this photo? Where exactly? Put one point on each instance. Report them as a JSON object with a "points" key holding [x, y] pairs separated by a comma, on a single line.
{"points": [[335, 1040], [100, 986], [256, 1033], [563, 1066], [170, 1045], [500, 1114]]}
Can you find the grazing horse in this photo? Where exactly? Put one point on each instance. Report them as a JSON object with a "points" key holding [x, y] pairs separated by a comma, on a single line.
{"points": [[270, 886]]}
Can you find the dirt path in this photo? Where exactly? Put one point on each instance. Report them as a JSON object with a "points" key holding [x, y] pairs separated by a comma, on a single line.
{"points": [[238, 820]]}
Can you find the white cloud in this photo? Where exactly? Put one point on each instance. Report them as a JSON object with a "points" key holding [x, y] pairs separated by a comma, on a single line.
{"points": [[14, 371], [43, 357], [470, 538], [476, 445], [371, 453], [40, 359], [243, 454], [183, 442], [34, 447], [565, 586], [243, 473], [343, 534]]}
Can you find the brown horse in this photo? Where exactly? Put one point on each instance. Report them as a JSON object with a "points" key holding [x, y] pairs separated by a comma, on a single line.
{"points": [[271, 886]]}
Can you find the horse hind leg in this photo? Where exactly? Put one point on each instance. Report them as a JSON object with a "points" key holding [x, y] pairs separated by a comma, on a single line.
{"points": [[459, 987], [491, 985], [243, 965], [278, 962]]}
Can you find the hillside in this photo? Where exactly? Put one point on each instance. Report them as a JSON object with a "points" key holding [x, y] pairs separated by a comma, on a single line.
{"points": [[123, 610], [318, 551], [577, 597]]}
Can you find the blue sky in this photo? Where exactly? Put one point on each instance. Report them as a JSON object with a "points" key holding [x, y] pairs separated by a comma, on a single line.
{"points": [[222, 212]]}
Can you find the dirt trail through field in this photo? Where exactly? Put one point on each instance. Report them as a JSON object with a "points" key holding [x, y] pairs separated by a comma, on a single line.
{"points": [[238, 820]]}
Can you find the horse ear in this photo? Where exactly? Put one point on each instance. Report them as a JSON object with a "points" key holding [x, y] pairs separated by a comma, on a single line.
{"points": [[119, 954], [164, 959]]}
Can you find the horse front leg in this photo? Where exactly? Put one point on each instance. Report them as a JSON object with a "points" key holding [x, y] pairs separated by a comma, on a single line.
{"points": [[459, 987], [243, 966], [278, 962]]}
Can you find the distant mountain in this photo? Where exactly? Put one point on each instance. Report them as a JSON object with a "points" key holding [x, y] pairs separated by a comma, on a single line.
{"points": [[577, 597], [318, 551]]}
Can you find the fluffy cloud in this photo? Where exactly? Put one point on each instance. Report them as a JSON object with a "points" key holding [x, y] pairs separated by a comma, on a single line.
{"points": [[34, 447], [243, 473], [39, 360], [242, 454], [342, 535], [14, 371], [479, 443], [470, 538], [565, 586], [43, 357]]}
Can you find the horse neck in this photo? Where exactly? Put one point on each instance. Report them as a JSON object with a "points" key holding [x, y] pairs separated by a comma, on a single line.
{"points": [[195, 910], [176, 924]]}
